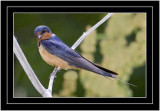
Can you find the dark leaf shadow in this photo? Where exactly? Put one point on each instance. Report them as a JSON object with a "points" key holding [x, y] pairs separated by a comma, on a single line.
{"points": [[132, 36], [80, 91], [98, 56], [138, 79]]}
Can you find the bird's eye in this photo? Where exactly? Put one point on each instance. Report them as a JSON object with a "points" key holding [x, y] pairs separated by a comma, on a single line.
{"points": [[43, 31]]}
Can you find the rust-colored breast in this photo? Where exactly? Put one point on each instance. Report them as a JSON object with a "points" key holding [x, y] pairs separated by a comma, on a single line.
{"points": [[52, 59], [44, 36]]}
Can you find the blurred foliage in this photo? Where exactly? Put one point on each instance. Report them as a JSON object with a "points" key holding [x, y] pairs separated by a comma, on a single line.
{"points": [[119, 45]]}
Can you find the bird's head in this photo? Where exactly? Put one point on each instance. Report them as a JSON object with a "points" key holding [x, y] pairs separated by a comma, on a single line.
{"points": [[42, 32]]}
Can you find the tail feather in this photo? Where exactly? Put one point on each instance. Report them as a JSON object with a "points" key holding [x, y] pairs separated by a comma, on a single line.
{"points": [[100, 70], [107, 72]]}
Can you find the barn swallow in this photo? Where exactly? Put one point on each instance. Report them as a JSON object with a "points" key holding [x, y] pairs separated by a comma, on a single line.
{"points": [[56, 53]]}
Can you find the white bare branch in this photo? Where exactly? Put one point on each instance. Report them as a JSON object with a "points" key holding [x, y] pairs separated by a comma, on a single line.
{"points": [[27, 68]]}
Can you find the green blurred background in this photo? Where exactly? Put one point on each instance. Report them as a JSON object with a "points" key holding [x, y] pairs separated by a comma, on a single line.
{"points": [[119, 44]]}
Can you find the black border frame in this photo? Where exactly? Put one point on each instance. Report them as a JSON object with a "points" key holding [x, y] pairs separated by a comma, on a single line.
{"points": [[150, 7]]}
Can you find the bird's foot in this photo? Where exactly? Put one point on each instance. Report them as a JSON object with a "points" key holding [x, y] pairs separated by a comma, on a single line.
{"points": [[53, 74]]}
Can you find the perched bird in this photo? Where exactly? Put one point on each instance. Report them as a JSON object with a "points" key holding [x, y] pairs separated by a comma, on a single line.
{"points": [[56, 53]]}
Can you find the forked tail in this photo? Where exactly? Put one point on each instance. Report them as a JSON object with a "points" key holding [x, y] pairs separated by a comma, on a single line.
{"points": [[109, 73]]}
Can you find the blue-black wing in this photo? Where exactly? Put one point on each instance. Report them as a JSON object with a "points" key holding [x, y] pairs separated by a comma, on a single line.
{"points": [[56, 47]]}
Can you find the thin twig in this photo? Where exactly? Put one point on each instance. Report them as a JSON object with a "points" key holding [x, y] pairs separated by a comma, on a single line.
{"points": [[52, 76]]}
